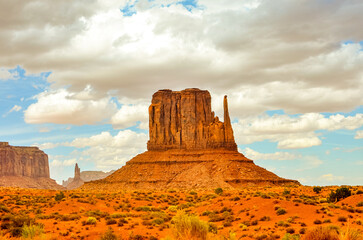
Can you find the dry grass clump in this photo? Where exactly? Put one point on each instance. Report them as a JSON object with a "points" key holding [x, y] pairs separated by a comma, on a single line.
{"points": [[322, 233], [189, 227], [333, 233], [351, 234]]}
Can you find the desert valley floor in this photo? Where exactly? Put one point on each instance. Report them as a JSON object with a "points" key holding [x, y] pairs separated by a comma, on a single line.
{"points": [[249, 213]]}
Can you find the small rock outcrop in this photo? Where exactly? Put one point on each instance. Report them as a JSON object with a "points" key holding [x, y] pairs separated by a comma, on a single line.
{"points": [[189, 147], [77, 181], [26, 167]]}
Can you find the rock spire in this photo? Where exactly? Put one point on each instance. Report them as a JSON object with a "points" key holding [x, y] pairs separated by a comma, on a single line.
{"points": [[77, 172], [77, 181]]}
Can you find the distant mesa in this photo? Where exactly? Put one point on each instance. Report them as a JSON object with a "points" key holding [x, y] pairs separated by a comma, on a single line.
{"points": [[189, 147], [85, 176], [25, 167]]}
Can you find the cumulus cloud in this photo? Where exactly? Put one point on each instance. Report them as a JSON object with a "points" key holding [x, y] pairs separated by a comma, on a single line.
{"points": [[129, 115], [292, 132], [254, 155], [264, 54], [63, 107], [107, 152]]}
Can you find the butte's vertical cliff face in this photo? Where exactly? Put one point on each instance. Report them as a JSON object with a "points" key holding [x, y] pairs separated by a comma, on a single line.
{"points": [[184, 120], [29, 164], [23, 161], [189, 147]]}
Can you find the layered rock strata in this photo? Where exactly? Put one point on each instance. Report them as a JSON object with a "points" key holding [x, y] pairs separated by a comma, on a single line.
{"points": [[24, 167], [184, 120], [189, 147]]}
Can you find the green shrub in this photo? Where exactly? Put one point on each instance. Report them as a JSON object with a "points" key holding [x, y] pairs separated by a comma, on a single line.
{"points": [[91, 221], [317, 221], [218, 191], [212, 228], [360, 204], [317, 189], [59, 196], [189, 227], [339, 194], [111, 221], [289, 236], [281, 211], [109, 235], [173, 208]]}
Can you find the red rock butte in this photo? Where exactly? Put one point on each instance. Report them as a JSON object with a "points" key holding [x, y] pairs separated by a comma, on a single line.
{"points": [[25, 167], [189, 147]]}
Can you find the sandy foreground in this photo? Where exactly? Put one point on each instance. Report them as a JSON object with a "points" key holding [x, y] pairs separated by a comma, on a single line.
{"points": [[249, 213]]}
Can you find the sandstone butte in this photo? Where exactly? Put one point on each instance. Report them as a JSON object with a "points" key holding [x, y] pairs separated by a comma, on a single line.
{"points": [[188, 148], [25, 167]]}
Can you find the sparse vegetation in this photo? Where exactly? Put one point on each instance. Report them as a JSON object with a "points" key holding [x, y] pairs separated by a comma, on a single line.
{"points": [[317, 189], [189, 227], [339, 194], [281, 211], [234, 214]]}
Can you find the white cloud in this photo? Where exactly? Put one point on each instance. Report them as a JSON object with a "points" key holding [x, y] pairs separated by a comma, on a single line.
{"points": [[299, 143], [292, 132], [247, 49], [330, 177], [63, 107], [106, 151], [129, 115], [6, 75], [48, 145], [44, 129], [59, 163], [254, 155], [359, 134], [16, 108]]}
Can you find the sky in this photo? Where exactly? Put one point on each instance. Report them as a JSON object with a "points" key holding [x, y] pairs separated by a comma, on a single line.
{"points": [[76, 79]]}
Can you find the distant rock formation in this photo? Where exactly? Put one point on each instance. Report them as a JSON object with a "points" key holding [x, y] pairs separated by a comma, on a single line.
{"points": [[77, 181], [188, 148], [86, 176], [25, 167]]}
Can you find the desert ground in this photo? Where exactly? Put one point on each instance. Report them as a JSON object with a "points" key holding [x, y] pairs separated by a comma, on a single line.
{"points": [[249, 213]]}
